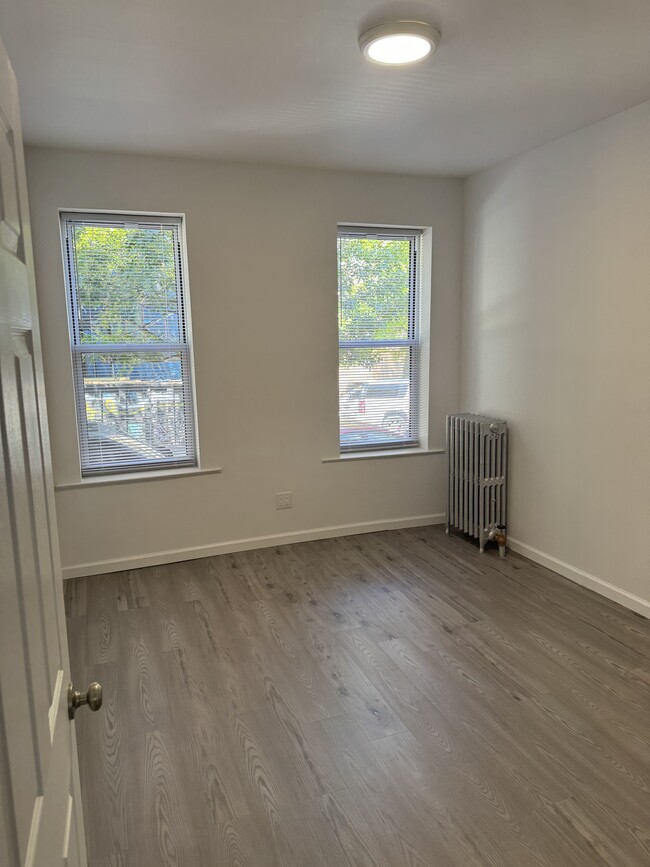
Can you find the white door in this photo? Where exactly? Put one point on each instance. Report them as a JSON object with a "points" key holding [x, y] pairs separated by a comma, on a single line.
{"points": [[40, 807]]}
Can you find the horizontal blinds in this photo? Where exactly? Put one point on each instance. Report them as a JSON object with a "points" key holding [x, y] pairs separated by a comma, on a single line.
{"points": [[130, 347], [379, 349]]}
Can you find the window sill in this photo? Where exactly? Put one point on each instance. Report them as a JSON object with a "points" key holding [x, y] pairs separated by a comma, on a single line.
{"points": [[123, 478], [383, 453]]}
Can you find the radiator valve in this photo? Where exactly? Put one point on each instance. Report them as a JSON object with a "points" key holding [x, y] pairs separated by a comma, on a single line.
{"points": [[498, 535]]}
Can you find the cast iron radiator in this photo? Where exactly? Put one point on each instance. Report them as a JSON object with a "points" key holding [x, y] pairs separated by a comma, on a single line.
{"points": [[477, 452]]}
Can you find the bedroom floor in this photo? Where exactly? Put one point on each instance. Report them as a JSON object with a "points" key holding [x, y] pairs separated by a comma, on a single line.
{"points": [[379, 700]]}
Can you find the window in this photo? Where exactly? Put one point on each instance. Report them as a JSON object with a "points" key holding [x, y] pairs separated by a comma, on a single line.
{"points": [[131, 352], [379, 346]]}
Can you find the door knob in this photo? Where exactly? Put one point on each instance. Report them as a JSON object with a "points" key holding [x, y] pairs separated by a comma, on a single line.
{"points": [[92, 697]]}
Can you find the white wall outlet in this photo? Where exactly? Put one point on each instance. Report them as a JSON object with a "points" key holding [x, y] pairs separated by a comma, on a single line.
{"points": [[284, 500]]}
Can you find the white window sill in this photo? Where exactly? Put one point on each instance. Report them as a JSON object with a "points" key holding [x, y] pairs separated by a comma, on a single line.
{"points": [[383, 453], [123, 478]]}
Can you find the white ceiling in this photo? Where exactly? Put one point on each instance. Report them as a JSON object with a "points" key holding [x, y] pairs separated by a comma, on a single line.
{"points": [[283, 80]]}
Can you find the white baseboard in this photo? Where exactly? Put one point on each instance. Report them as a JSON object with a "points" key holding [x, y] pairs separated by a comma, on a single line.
{"points": [[604, 588], [158, 558]]}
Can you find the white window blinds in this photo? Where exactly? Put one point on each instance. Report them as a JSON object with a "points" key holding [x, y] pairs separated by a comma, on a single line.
{"points": [[379, 347], [130, 342]]}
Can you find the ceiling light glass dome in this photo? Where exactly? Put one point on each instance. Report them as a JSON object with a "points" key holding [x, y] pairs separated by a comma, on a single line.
{"points": [[399, 42]]}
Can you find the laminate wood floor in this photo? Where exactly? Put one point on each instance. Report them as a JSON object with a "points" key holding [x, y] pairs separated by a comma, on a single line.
{"points": [[373, 701]]}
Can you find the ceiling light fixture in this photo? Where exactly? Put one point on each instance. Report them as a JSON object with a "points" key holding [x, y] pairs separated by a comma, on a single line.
{"points": [[399, 42]]}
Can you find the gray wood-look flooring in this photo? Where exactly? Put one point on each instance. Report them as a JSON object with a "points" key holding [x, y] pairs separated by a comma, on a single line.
{"points": [[372, 701]]}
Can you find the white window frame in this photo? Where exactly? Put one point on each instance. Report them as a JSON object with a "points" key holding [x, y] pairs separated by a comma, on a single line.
{"points": [[413, 340], [184, 347]]}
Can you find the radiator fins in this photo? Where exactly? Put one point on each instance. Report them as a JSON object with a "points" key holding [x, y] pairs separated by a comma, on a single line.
{"points": [[477, 453]]}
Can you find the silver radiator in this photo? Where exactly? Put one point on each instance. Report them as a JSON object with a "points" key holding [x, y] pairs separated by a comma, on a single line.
{"points": [[477, 452]]}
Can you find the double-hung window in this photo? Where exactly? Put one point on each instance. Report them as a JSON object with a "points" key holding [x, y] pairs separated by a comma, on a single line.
{"points": [[130, 341], [379, 341]]}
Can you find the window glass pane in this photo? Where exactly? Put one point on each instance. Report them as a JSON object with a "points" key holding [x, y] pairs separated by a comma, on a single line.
{"points": [[126, 284], [374, 288], [137, 408], [375, 393]]}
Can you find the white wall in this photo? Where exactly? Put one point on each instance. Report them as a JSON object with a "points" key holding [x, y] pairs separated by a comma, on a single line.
{"points": [[556, 325], [262, 269]]}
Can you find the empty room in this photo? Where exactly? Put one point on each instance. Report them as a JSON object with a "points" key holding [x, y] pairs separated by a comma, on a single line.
{"points": [[325, 433]]}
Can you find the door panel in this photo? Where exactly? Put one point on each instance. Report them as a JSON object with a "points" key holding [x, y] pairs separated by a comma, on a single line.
{"points": [[40, 813]]}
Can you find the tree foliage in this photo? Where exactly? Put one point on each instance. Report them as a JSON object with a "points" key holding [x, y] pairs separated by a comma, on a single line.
{"points": [[126, 284], [126, 290], [373, 294]]}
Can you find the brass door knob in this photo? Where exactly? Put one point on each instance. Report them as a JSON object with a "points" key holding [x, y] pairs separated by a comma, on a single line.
{"points": [[92, 697]]}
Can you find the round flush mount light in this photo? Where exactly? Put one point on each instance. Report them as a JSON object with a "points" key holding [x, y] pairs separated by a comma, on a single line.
{"points": [[399, 42]]}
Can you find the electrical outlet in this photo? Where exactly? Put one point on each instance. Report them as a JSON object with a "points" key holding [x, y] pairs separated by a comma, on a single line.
{"points": [[284, 500]]}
